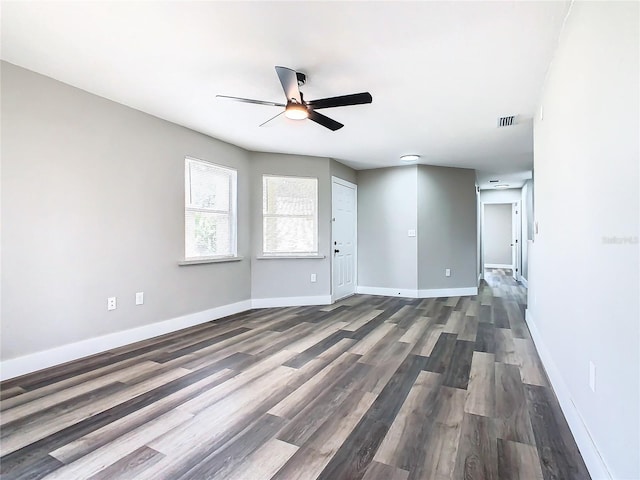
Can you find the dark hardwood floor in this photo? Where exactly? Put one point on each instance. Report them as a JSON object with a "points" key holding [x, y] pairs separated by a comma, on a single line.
{"points": [[368, 388]]}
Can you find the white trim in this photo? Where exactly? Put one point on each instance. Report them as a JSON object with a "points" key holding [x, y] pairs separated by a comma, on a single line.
{"points": [[290, 301], [498, 265], [589, 451], [447, 292], [37, 361], [388, 292], [523, 281], [290, 257], [204, 260], [480, 278], [411, 293]]}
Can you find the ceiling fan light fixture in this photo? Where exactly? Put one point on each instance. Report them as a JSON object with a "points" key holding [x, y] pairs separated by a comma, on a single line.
{"points": [[296, 111], [410, 158], [501, 186]]}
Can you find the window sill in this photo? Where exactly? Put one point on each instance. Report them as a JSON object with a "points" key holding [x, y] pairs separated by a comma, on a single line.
{"points": [[290, 257], [200, 261]]}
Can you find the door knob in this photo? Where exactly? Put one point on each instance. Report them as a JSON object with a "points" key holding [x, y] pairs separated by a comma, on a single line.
{"points": [[336, 251]]}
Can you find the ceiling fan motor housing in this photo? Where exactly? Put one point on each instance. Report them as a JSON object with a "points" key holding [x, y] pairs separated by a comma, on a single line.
{"points": [[302, 78]]}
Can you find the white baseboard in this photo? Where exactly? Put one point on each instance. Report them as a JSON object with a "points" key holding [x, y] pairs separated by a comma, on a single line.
{"points": [[388, 292], [448, 292], [48, 358], [594, 462], [411, 293], [523, 281], [498, 265], [291, 301]]}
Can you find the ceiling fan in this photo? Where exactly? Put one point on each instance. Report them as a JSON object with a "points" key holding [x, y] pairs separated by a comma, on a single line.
{"points": [[297, 108]]}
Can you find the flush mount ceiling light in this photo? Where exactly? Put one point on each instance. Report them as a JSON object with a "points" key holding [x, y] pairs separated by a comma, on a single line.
{"points": [[296, 111], [410, 158], [502, 186]]}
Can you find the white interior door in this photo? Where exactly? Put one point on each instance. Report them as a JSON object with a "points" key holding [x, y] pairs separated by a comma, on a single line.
{"points": [[343, 241]]}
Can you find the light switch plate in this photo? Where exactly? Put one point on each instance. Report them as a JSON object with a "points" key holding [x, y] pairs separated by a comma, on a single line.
{"points": [[139, 298]]}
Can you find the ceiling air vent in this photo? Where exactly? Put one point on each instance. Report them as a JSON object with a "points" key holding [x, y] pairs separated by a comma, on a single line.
{"points": [[506, 121]]}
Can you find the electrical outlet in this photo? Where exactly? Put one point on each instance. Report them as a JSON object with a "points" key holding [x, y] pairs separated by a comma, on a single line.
{"points": [[314, 278], [411, 233], [592, 376], [139, 298], [111, 303], [447, 272]]}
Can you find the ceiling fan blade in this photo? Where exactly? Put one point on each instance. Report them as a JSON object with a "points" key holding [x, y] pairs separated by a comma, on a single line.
{"points": [[289, 82], [324, 121], [248, 100], [341, 101], [272, 118]]}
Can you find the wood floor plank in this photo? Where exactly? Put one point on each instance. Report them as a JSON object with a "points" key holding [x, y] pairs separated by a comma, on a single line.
{"points": [[518, 461], [505, 347], [265, 462], [315, 454], [109, 454], [557, 449], [427, 342], [456, 373], [357, 451], [14, 441], [485, 338], [511, 412], [481, 389], [223, 461], [440, 437], [402, 439], [442, 354], [477, 457], [130, 465], [86, 444], [290, 406], [530, 366], [379, 471]]}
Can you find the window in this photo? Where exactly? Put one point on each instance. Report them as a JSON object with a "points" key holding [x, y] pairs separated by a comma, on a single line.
{"points": [[210, 210], [290, 216]]}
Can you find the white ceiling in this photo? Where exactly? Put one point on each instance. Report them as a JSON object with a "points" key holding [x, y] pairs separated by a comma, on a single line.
{"points": [[441, 73]]}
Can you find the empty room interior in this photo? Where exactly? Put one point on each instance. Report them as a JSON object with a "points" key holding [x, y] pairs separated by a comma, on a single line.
{"points": [[377, 240]]}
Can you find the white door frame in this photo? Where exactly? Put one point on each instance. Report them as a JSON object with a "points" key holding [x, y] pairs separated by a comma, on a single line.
{"points": [[345, 183], [516, 228]]}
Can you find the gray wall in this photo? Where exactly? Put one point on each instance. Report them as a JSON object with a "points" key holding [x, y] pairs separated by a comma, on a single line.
{"points": [[290, 277], [342, 171], [497, 233], [387, 209], [92, 207], [584, 278], [440, 204], [447, 227]]}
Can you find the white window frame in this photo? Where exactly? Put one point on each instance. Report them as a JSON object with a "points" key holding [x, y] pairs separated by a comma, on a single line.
{"points": [[314, 216], [232, 213]]}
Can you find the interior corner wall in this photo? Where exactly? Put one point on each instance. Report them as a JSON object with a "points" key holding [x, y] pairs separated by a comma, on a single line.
{"points": [[287, 278], [387, 209], [93, 207], [342, 171], [584, 277], [447, 227]]}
